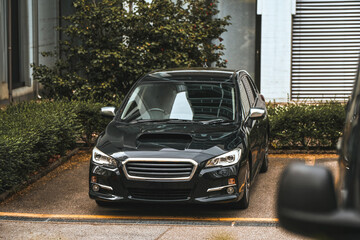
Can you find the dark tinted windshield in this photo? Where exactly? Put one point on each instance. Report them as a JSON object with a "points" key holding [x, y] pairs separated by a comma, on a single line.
{"points": [[185, 101]]}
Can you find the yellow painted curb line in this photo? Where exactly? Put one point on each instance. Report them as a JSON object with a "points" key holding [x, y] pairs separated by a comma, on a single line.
{"points": [[110, 217]]}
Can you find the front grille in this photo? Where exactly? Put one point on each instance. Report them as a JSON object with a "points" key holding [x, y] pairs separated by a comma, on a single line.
{"points": [[159, 194], [157, 169]]}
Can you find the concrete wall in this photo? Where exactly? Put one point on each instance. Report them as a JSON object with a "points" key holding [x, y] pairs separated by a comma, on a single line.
{"points": [[25, 24], [39, 22], [48, 20], [276, 48], [239, 39]]}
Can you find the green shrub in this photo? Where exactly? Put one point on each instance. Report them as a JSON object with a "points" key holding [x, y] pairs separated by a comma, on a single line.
{"points": [[90, 119], [33, 132], [306, 126], [30, 133]]}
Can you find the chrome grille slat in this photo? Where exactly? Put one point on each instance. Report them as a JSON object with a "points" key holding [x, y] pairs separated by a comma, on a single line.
{"points": [[158, 173], [157, 164], [159, 169]]}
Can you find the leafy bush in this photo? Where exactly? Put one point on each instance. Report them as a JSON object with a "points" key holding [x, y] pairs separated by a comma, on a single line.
{"points": [[306, 126], [111, 43], [30, 134], [90, 119], [33, 132]]}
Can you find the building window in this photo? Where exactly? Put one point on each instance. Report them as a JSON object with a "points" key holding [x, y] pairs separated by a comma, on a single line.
{"points": [[20, 64]]}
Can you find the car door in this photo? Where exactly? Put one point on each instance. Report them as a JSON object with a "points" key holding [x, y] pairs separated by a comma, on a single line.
{"points": [[261, 124], [255, 124], [248, 124], [349, 161]]}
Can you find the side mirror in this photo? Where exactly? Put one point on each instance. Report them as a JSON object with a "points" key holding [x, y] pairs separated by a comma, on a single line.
{"points": [[257, 113], [307, 204], [108, 111], [339, 144]]}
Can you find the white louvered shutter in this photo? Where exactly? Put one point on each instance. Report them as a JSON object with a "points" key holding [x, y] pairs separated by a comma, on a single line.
{"points": [[325, 49]]}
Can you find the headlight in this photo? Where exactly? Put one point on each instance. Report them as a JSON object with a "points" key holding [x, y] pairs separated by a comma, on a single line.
{"points": [[101, 158], [226, 159]]}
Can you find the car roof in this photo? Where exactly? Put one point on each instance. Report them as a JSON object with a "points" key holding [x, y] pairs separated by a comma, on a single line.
{"points": [[191, 74]]}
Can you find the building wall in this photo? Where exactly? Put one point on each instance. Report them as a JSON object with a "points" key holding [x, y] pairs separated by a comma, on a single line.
{"points": [[325, 49], [38, 20], [276, 48], [48, 20], [239, 39]]}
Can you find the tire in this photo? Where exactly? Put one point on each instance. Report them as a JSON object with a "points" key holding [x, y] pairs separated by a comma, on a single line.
{"points": [[265, 163], [245, 200]]}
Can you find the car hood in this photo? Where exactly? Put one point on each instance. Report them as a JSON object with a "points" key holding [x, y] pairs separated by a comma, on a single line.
{"points": [[168, 140]]}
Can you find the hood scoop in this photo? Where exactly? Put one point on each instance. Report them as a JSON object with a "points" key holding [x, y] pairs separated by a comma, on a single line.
{"points": [[158, 141]]}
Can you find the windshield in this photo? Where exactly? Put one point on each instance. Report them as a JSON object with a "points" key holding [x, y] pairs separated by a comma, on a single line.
{"points": [[186, 101]]}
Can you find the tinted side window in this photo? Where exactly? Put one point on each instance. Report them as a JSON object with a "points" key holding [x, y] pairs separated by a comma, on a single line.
{"points": [[244, 98], [250, 91], [253, 86]]}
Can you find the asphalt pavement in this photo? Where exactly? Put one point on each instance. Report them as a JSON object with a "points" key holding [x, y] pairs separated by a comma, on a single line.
{"points": [[58, 207]]}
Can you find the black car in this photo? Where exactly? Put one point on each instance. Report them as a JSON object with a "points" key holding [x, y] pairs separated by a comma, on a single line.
{"points": [[309, 203], [183, 135]]}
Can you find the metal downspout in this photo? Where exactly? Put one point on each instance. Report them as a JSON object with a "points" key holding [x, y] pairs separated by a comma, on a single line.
{"points": [[10, 52], [36, 42]]}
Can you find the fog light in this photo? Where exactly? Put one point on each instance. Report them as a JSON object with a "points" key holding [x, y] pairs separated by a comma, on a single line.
{"points": [[95, 188], [230, 190], [231, 181], [93, 179]]}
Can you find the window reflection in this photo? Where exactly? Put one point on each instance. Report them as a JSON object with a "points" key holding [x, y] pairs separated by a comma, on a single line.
{"points": [[185, 101]]}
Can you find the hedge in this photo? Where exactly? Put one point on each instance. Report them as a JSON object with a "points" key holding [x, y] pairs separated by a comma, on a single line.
{"points": [[33, 132], [306, 126]]}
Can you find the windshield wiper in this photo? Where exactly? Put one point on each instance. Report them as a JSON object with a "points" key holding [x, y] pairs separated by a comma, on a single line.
{"points": [[175, 120], [217, 120]]}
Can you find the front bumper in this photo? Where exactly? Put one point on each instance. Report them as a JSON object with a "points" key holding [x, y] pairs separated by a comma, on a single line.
{"points": [[207, 185]]}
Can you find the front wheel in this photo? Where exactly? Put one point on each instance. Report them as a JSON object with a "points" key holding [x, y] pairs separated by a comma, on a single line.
{"points": [[244, 202], [265, 163]]}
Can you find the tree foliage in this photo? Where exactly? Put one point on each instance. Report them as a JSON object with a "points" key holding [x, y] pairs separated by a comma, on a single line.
{"points": [[111, 43]]}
